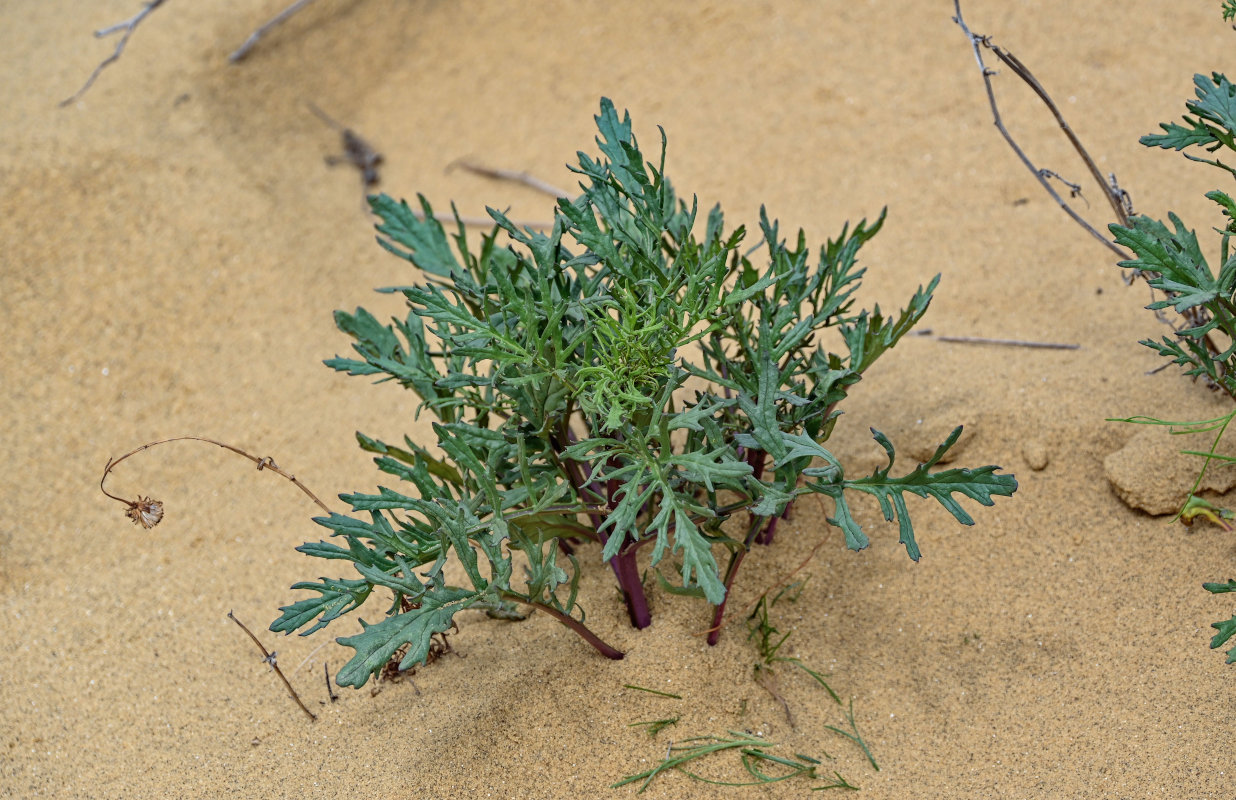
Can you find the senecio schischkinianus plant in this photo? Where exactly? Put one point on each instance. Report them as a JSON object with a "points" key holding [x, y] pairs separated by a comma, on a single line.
{"points": [[1172, 260], [617, 379]]}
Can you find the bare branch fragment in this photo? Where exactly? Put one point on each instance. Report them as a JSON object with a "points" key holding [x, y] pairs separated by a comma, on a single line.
{"points": [[1117, 197], [128, 26], [274, 22]]}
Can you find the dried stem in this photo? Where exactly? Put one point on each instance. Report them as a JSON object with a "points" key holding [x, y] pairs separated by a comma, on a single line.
{"points": [[270, 658], [525, 178], [128, 26], [1007, 342], [329, 691], [1116, 196], [275, 21], [1122, 205], [147, 512]]}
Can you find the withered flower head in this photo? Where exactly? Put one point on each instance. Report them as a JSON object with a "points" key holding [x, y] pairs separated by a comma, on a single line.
{"points": [[145, 512]]}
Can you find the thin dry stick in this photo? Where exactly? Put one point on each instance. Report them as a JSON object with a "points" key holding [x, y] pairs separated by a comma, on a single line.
{"points": [[270, 658], [128, 26], [1008, 342], [1117, 197], [525, 178], [147, 512], [275, 21], [329, 691], [311, 655], [484, 221], [785, 580]]}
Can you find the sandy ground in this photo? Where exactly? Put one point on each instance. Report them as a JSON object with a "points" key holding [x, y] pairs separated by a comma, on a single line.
{"points": [[173, 246]]}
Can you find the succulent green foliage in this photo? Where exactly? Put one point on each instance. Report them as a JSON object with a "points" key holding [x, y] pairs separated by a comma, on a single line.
{"points": [[625, 368]]}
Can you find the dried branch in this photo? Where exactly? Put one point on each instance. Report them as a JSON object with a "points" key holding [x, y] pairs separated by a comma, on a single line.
{"points": [[481, 222], [525, 178], [274, 21], [147, 512], [1008, 342], [128, 26], [271, 658], [1117, 197]]}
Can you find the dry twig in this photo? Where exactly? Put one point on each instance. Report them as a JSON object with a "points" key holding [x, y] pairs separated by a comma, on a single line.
{"points": [[128, 26], [1008, 342], [147, 512], [329, 691], [271, 658], [1117, 197], [274, 21], [525, 178]]}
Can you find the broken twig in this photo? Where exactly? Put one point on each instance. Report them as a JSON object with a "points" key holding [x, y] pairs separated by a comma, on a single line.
{"points": [[525, 178], [274, 21], [147, 512], [1122, 205], [128, 26], [1007, 342], [329, 691], [1117, 197], [271, 658]]}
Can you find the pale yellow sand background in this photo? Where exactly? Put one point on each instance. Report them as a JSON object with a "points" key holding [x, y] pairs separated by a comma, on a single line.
{"points": [[172, 248]]}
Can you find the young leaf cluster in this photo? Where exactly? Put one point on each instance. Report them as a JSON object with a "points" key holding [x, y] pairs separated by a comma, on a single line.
{"points": [[632, 377]]}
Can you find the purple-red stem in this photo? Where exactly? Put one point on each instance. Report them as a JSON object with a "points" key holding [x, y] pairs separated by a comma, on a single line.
{"points": [[624, 565], [714, 632], [755, 458], [579, 627], [626, 570]]}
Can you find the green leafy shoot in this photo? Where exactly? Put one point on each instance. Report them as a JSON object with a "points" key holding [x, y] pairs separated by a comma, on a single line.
{"points": [[768, 640], [853, 735], [1209, 124], [1227, 628], [636, 376], [754, 756]]}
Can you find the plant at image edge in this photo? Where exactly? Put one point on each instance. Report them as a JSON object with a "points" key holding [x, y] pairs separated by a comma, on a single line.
{"points": [[616, 380], [1172, 260]]}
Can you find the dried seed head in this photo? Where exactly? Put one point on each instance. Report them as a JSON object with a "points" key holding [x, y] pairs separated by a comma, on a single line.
{"points": [[145, 512]]}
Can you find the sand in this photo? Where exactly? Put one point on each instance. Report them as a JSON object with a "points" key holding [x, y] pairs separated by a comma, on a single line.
{"points": [[174, 246]]}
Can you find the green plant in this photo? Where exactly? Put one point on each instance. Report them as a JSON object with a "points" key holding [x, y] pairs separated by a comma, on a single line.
{"points": [[755, 760], [768, 642], [1172, 262], [620, 379]]}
